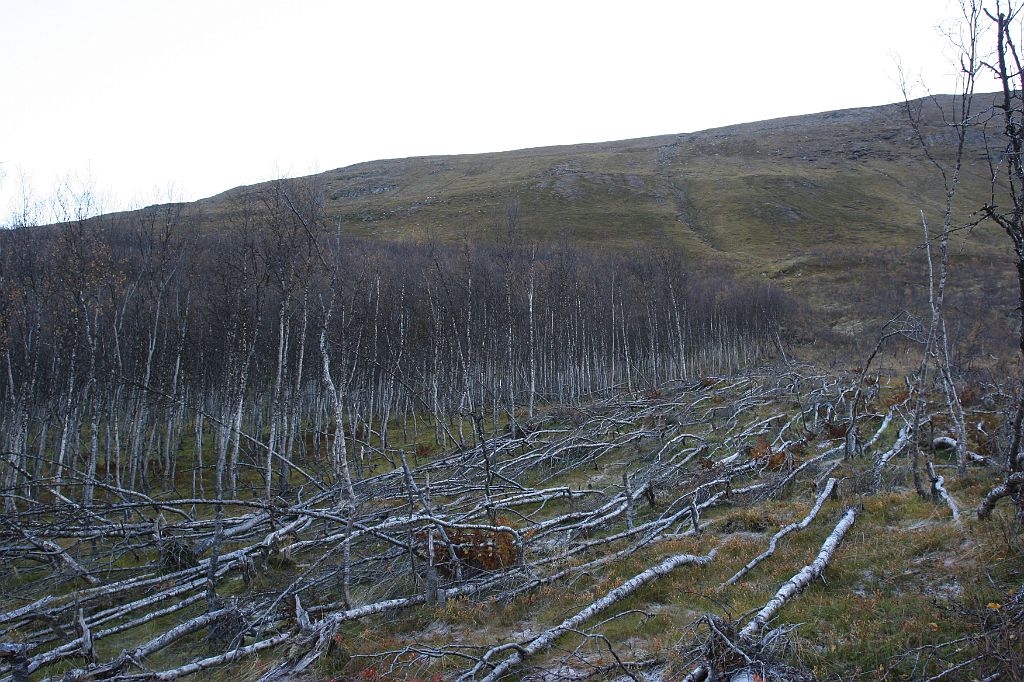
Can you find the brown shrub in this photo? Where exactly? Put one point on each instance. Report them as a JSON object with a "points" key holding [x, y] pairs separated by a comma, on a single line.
{"points": [[836, 431], [769, 458], [761, 449], [969, 395], [777, 461], [475, 548], [895, 398]]}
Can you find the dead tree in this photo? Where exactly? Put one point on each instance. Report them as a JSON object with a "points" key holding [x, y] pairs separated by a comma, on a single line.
{"points": [[1006, 205]]}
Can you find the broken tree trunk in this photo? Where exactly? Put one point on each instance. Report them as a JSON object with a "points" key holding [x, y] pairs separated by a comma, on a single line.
{"points": [[1008, 487], [619, 593], [790, 588], [801, 580], [906, 433], [939, 492], [825, 493]]}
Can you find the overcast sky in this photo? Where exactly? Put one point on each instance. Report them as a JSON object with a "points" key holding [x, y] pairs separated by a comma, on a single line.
{"points": [[204, 95]]}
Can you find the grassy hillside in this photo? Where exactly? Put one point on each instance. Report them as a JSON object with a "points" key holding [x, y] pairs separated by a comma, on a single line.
{"points": [[827, 206], [758, 191]]}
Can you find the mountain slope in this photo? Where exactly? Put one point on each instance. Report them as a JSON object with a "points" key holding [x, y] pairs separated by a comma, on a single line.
{"points": [[768, 189], [827, 206]]}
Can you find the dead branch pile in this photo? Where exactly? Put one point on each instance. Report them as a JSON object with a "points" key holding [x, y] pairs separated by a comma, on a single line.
{"points": [[186, 585]]}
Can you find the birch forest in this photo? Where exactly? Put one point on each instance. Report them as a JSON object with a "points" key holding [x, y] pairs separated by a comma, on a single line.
{"points": [[280, 344]]}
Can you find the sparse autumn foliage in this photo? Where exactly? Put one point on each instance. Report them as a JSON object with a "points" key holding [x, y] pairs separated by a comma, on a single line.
{"points": [[761, 449], [836, 430], [766, 456], [476, 548], [895, 398]]}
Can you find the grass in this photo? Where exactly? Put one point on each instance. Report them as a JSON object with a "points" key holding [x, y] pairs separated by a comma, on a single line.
{"points": [[904, 563], [791, 202], [890, 589]]}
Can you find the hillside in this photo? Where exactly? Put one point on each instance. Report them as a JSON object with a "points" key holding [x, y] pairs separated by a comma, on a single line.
{"points": [[824, 205], [763, 190], [236, 444]]}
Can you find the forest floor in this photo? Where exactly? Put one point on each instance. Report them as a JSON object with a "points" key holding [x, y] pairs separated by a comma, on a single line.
{"points": [[593, 542]]}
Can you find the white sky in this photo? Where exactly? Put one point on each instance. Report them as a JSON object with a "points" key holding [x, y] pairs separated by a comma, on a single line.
{"points": [[200, 96]]}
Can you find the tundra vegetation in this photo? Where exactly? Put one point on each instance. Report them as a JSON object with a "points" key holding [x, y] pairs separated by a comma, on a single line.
{"points": [[277, 450]]}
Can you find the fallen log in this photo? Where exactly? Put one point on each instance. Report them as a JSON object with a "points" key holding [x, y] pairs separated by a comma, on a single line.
{"points": [[802, 579], [825, 493], [55, 551], [545, 639], [789, 589], [209, 662]]}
